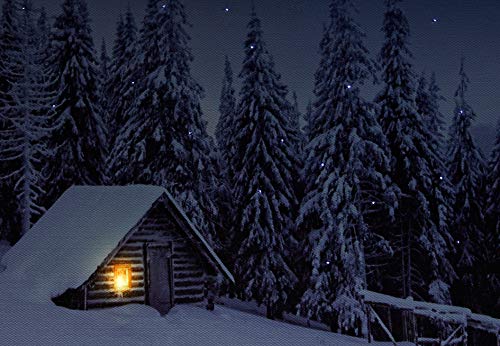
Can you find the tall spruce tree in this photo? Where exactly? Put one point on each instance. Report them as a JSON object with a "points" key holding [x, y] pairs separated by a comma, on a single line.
{"points": [[122, 83], [347, 178], [466, 167], [490, 259], [225, 141], [420, 234], [308, 126], [164, 141], [43, 33], [264, 164], [227, 109], [25, 107], [9, 45], [79, 142], [104, 76]]}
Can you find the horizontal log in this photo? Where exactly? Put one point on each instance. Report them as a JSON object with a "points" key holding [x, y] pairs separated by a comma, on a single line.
{"points": [[128, 261], [132, 247], [180, 292], [139, 292], [185, 260], [109, 285], [186, 300], [135, 268], [188, 274], [189, 282], [186, 267], [106, 277], [108, 303], [129, 254]]}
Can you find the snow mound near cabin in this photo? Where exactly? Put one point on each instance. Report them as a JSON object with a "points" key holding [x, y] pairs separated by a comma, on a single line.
{"points": [[73, 237], [185, 325]]}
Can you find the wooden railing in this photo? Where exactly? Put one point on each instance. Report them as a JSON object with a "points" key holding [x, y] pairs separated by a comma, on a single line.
{"points": [[458, 318]]}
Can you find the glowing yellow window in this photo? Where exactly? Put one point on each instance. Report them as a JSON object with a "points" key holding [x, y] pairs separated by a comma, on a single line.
{"points": [[123, 277]]}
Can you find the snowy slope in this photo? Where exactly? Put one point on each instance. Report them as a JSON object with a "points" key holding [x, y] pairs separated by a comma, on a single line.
{"points": [[185, 325], [4, 247]]}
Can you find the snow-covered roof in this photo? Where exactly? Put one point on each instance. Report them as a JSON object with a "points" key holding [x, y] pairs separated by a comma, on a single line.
{"points": [[77, 233]]}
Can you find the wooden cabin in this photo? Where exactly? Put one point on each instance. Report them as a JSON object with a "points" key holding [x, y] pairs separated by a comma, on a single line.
{"points": [[127, 245]]}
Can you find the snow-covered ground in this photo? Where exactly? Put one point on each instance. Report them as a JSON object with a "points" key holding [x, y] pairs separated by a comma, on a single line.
{"points": [[24, 323], [27, 320], [4, 247]]}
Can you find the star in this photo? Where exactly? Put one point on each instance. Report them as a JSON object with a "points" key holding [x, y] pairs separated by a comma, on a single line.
{"points": [[349, 86], [434, 20], [226, 9], [252, 46]]}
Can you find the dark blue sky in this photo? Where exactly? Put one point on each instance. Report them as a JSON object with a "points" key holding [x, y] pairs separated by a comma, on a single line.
{"points": [[292, 30]]}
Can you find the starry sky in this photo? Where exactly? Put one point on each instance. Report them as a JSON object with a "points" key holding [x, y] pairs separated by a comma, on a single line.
{"points": [[442, 31]]}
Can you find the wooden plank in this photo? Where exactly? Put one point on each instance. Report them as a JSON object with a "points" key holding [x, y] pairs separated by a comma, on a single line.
{"points": [[188, 274], [189, 299], [115, 261], [179, 292], [106, 303], [135, 268], [188, 282], [112, 294], [109, 285]]}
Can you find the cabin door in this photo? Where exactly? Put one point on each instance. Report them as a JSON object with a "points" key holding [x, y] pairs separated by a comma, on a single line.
{"points": [[160, 283]]}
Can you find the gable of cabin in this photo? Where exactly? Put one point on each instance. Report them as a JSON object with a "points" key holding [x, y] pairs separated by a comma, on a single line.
{"points": [[158, 226]]}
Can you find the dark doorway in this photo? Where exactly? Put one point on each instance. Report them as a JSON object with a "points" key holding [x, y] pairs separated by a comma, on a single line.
{"points": [[160, 283]]}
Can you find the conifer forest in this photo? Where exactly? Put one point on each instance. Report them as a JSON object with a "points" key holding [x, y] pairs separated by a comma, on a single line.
{"points": [[309, 201]]}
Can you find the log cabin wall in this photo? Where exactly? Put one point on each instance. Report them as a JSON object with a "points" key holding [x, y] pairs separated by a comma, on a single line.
{"points": [[157, 227]]}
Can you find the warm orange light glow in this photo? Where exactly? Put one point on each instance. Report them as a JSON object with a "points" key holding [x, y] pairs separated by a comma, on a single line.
{"points": [[122, 276]]}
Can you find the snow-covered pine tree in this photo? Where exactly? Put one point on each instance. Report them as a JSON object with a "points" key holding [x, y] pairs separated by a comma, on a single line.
{"points": [[122, 83], [490, 288], [307, 128], [295, 117], [264, 164], [26, 109], [466, 167], [43, 33], [227, 109], [9, 45], [441, 196], [420, 235], [493, 191], [104, 64], [347, 178], [164, 141], [225, 141], [79, 142], [427, 99]]}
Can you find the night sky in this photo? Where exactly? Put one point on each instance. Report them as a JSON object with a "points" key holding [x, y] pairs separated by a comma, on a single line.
{"points": [[442, 31]]}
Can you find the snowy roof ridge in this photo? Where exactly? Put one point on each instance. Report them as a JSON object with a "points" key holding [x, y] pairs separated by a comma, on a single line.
{"points": [[65, 247], [201, 238]]}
